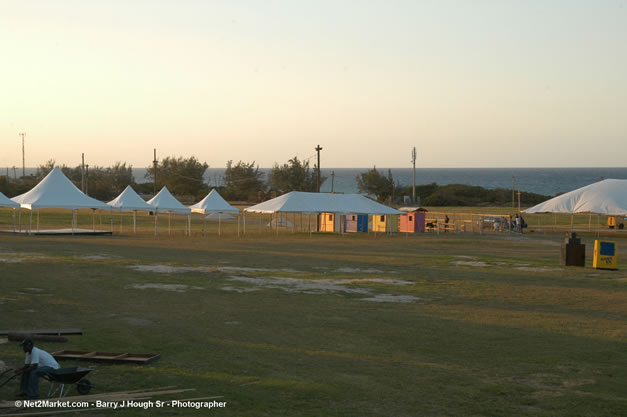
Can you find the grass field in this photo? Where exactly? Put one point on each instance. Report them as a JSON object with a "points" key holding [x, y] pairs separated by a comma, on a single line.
{"points": [[448, 325]]}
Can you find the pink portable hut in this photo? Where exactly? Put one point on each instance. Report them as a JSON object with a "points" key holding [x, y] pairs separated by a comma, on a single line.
{"points": [[413, 221]]}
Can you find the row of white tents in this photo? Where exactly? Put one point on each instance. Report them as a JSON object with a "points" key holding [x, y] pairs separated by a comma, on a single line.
{"points": [[58, 192]]}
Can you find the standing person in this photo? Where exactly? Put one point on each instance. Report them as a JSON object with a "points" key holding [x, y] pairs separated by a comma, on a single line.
{"points": [[446, 220], [518, 224], [37, 362]]}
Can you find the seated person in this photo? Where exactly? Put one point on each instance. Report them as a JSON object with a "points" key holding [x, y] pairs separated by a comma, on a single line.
{"points": [[36, 363]]}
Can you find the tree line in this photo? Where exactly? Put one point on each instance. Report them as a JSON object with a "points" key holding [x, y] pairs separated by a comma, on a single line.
{"points": [[243, 181]]}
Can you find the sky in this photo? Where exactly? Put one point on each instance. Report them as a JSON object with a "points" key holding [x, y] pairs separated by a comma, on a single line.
{"points": [[482, 83]]}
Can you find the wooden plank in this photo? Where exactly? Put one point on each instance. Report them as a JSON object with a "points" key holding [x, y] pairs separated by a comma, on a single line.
{"points": [[55, 332], [111, 357]]}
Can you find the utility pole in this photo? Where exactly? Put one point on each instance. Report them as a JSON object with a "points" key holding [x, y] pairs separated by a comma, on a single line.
{"points": [[83, 173], [332, 180], [413, 190], [154, 164], [513, 205], [23, 159], [87, 179], [318, 149], [518, 200]]}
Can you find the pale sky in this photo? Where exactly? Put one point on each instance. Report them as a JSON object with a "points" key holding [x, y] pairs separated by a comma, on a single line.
{"points": [[490, 83]]}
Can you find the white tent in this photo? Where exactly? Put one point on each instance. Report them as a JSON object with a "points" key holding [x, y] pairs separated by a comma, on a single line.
{"points": [[6, 202], [56, 191], [164, 202], [129, 200], [603, 197], [213, 203], [301, 202]]}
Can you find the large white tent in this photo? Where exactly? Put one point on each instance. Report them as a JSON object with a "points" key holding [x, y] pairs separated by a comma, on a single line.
{"points": [[213, 203], [164, 202], [57, 191], [316, 203], [129, 200], [603, 197], [302, 202]]}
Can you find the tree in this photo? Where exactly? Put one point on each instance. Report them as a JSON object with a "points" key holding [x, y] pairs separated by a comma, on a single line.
{"points": [[374, 183], [294, 176], [182, 176], [242, 181]]}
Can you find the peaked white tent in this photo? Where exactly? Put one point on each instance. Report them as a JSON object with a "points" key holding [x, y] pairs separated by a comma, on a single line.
{"points": [[129, 200], [57, 191], [164, 202], [213, 203], [603, 197]]}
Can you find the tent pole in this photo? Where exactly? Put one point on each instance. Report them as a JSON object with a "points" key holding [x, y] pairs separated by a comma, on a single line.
{"points": [[220, 224], [134, 221], [244, 221], [572, 218], [20, 219], [204, 223], [14, 220], [38, 219], [156, 216], [169, 217], [590, 223], [237, 225], [30, 227], [73, 217], [277, 223]]}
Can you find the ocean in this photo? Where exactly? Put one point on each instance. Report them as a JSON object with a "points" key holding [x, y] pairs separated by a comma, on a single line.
{"points": [[547, 181]]}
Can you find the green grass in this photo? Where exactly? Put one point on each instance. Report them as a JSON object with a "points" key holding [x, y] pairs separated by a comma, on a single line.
{"points": [[497, 328]]}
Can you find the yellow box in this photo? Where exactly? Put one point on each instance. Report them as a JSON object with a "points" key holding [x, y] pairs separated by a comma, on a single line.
{"points": [[604, 255]]}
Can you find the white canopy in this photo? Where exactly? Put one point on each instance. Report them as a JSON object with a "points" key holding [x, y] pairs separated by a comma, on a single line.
{"points": [[57, 191], [213, 203], [603, 197], [164, 202], [129, 200], [6, 202], [301, 202], [225, 217]]}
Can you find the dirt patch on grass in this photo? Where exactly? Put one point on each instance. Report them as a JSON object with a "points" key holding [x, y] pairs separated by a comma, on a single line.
{"points": [[168, 269], [389, 298], [538, 269], [298, 285], [359, 270], [470, 263], [239, 289], [166, 287], [577, 383]]}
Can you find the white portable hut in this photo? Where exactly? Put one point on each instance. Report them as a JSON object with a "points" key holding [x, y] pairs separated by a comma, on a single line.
{"points": [[214, 204], [57, 191], [8, 203], [129, 200], [164, 202]]}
